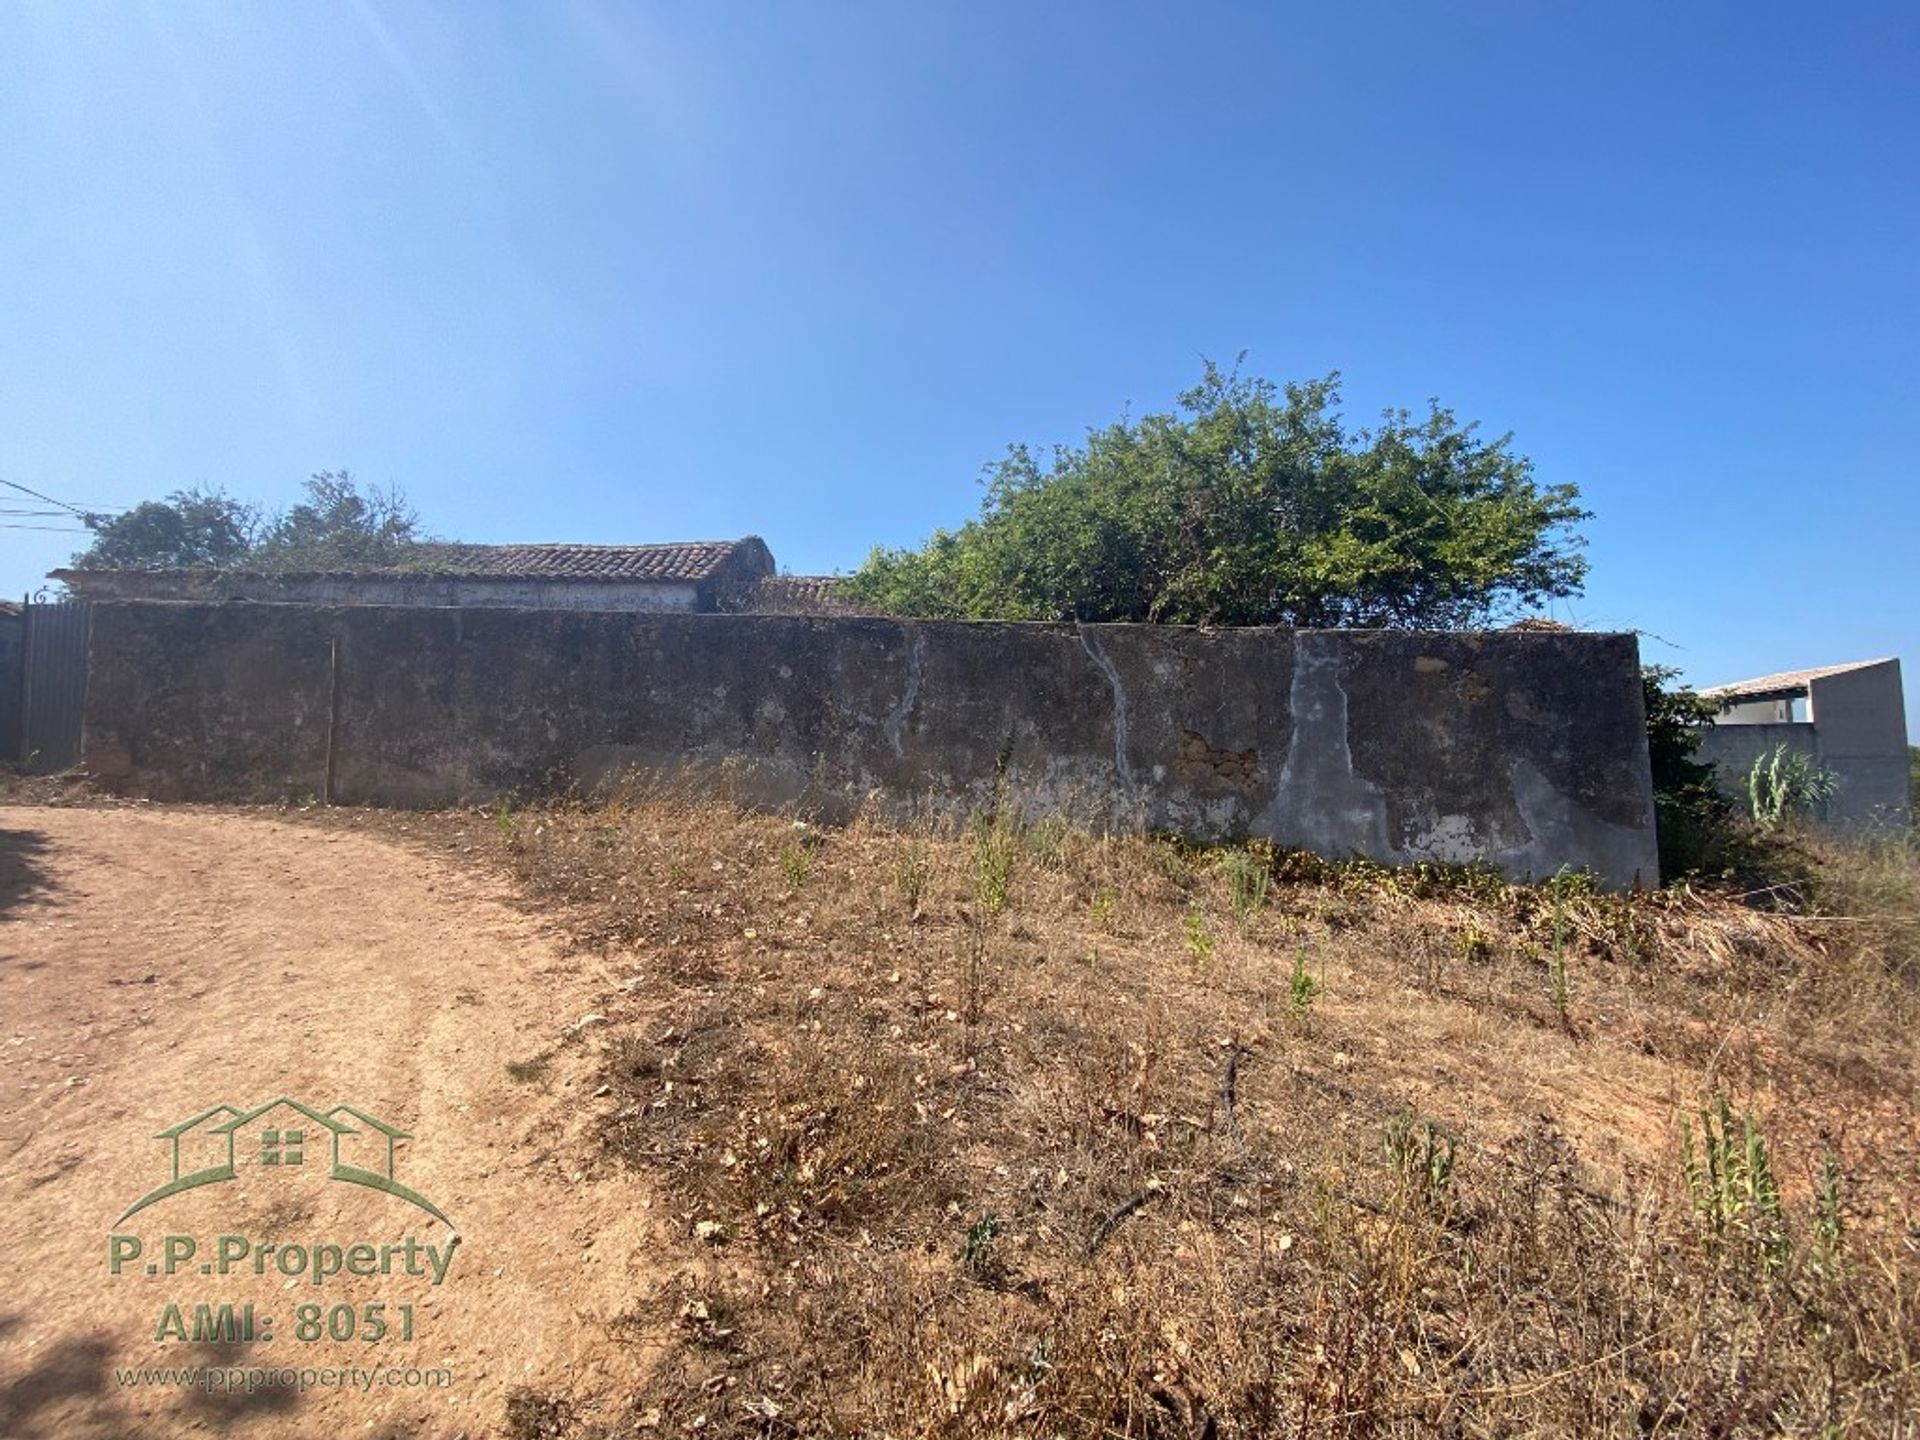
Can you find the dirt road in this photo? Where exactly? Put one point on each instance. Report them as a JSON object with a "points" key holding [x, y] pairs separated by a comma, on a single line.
{"points": [[158, 966]]}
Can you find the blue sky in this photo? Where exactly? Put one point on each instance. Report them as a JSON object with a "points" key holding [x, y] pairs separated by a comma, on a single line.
{"points": [[609, 272]]}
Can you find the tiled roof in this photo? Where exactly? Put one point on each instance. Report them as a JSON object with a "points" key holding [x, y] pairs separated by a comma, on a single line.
{"points": [[1786, 682], [799, 587], [686, 562], [801, 595], [690, 561]]}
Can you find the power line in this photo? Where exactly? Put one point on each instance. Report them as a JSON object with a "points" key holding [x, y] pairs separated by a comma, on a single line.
{"points": [[50, 529], [14, 485], [87, 516]]}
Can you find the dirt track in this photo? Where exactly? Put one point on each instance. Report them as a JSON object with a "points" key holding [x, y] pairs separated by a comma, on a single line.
{"points": [[154, 965]]}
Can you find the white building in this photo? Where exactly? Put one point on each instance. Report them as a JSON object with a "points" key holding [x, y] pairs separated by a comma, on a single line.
{"points": [[1851, 719]]}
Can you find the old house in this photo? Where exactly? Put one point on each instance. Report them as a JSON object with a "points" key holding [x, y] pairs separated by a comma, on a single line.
{"points": [[1849, 719], [698, 576]]}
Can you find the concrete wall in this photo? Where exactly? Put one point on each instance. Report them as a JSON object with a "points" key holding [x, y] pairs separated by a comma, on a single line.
{"points": [[1524, 750], [1862, 711], [1733, 747]]}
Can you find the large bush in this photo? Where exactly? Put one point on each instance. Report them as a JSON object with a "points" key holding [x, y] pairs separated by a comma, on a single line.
{"points": [[1251, 504]]}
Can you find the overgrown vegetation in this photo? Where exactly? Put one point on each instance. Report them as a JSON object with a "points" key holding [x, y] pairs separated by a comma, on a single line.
{"points": [[335, 523], [1695, 822], [963, 1138], [1253, 504]]}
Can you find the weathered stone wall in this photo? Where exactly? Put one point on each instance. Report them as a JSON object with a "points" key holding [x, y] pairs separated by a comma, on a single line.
{"points": [[1524, 750], [422, 588]]}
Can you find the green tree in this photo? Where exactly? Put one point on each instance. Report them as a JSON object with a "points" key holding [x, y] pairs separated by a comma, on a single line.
{"points": [[1251, 504], [1694, 823], [334, 524], [337, 525], [190, 528]]}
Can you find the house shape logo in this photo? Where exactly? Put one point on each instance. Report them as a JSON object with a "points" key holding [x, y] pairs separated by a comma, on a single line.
{"points": [[281, 1134]]}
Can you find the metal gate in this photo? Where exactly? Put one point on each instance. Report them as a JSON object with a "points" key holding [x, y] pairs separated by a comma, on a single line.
{"points": [[52, 684]]}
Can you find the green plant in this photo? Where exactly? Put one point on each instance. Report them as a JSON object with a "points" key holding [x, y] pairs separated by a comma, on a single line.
{"points": [[335, 524], [1730, 1178], [1788, 784], [503, 819], [994, 840], [1199, 940], [1251, 504], [1302, 988], [1103, 906], [1421, 1155], [912, 872], [1694, 823], [795, 862], [1828, 1228], [191, 528], [1248, 876], [975, 1249]]}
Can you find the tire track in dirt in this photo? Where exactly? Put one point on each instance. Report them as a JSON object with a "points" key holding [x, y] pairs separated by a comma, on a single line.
{"points": [[154, 964]]}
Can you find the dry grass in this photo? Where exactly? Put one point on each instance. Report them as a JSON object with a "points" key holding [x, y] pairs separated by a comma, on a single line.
{"points": [[1016, 1130]]}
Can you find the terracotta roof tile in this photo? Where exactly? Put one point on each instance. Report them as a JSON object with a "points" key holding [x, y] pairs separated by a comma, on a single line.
{"points": [[800, 595], [686, 562], [689, 561]]}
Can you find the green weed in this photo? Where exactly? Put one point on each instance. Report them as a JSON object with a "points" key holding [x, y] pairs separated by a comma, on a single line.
{"points": [[976, 1257], [1730, 1177], [795, 863], [994, 839], [1828, 1229], [1199, 941], [1421, 1155], [1248, 877], [912, 872], [1302, 988], [1787, 784]]}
